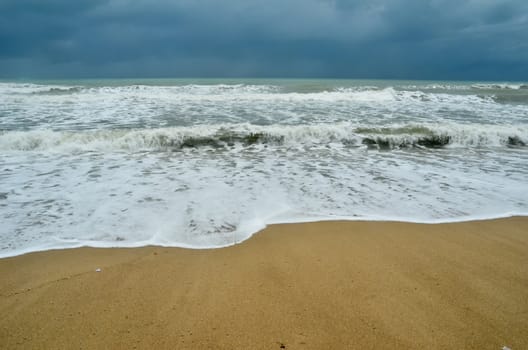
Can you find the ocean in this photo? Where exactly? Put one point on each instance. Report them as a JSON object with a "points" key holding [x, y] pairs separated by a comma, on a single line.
{"points": [[207, 163]]}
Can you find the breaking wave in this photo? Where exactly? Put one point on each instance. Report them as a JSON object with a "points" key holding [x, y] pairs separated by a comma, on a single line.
{"points": [[222, 136]]}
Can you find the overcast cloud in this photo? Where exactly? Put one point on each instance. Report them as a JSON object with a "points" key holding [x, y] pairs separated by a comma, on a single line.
{"points": [[406, 39]]}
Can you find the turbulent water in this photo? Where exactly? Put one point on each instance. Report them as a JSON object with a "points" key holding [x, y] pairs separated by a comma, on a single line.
{"points": [[207, 163]]}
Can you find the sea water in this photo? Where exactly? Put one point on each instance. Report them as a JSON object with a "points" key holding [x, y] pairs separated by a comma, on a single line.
{"points": [[207, 163]]}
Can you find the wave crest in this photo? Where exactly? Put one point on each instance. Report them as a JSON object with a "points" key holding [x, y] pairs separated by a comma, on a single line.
{"points": [[244, 135]]}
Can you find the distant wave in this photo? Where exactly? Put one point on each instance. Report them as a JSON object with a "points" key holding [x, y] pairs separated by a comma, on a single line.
{"points": [[59, 91], [465, 86], [229, 135], [367, 94], [194, 89], [502, 86], [36, 88], [239, 89]]}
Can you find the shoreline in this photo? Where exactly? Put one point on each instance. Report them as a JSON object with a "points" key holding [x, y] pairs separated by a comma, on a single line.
{"points": [[298, 221], [325, 284]]}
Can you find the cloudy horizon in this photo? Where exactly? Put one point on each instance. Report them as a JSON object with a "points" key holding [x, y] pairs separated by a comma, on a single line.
{"points": [[398, 39]]}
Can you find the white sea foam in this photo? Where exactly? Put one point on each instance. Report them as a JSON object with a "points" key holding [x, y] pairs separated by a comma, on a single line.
{"points": [[159, 106], [205, 199], [208, 165]]}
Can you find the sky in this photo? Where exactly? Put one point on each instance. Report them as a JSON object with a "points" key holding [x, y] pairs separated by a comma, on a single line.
{"points": [[384, 39]]}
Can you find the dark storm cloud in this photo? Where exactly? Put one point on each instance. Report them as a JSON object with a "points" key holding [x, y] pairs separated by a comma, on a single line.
{"points": [[440, 39]]}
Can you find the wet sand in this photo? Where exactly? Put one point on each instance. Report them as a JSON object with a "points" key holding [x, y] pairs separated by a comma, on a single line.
{"points": [[327, 285]]}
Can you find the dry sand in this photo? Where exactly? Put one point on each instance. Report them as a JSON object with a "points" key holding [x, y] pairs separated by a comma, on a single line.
{"points": [[328, 285]]}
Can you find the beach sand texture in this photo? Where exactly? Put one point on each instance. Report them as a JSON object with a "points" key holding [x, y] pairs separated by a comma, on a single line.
{"points": [[326, 285]]}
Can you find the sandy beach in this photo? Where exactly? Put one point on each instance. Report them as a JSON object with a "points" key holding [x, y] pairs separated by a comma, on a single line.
{"points": [[327, 285]]}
